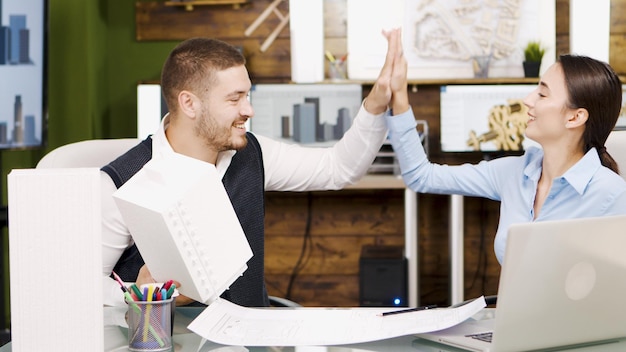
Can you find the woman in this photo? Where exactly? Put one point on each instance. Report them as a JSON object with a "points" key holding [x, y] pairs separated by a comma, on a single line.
{"points": [[570, 114]]}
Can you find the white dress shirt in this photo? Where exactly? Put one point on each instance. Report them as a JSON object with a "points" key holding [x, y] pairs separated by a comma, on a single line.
{"points": [[288, 167]]}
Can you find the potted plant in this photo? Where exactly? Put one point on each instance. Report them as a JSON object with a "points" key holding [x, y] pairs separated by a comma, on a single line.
{"points": [[533, 53]]}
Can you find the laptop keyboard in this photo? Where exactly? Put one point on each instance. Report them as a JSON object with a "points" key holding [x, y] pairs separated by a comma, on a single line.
{"points": [[484, 336]]}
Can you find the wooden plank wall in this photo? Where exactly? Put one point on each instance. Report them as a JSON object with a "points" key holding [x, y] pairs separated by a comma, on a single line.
{"points": [[329, 228]]}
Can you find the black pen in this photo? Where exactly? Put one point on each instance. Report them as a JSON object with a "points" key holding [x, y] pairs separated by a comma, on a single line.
{"points": [[408, 310]]}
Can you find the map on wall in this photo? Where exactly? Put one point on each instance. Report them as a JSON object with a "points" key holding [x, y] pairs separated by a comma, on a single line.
{"points": [[445, 38]]}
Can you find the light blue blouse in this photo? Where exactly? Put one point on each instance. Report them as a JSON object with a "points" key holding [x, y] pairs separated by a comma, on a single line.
{"points": [[587, 189]]}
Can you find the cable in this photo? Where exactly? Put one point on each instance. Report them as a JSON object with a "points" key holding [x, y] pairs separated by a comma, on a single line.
{"points": [[481, 265], [305, 252]]}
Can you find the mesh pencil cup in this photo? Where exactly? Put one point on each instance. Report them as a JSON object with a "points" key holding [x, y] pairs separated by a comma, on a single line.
{"points": [[150, 325]]}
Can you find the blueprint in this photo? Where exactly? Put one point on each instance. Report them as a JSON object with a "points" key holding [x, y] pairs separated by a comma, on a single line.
{"points": [[226, 323]]}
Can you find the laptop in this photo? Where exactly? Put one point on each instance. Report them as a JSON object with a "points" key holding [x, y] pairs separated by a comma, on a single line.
{"points": [[562, 283]]}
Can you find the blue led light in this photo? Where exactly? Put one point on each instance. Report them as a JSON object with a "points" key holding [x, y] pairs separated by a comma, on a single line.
{"points": [[397, 301]]}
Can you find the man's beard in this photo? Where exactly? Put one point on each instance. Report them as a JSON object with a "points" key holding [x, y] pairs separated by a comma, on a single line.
{"points": [[217, 137]]}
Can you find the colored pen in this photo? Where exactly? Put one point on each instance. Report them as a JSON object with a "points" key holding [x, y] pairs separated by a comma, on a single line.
{"points": [[137, 292], [122, 286], [167, 284], [408, 310], [118, 279], [330, 56], [131, 301], [170, 291], [146, 326]]}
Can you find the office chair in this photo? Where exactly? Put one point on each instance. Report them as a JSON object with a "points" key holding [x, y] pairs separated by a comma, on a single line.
{"points": [[616, 146], [89, 153], [99, 152]]}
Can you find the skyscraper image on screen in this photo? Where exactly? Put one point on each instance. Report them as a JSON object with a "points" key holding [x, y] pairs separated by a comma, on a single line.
{"points": [[311, 114], [22, 72]]}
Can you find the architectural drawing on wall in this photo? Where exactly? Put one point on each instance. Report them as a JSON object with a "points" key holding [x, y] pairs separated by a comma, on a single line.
{"points": [[443, 38], [464, 29]]}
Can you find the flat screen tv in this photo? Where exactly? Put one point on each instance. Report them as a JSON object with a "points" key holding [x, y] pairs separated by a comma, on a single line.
{"points": [[23, 81], [484, 118], [310, 114]]}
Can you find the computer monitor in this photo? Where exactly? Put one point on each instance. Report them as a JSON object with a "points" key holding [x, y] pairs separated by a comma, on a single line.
{"points": [[23, 70], [311, 114], [484, 118]]}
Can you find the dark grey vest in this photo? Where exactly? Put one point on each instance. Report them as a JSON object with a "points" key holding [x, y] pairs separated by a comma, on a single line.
{"points": [[244, 182]]}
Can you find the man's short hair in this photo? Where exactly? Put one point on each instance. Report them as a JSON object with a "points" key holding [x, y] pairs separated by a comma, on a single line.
{"points": [[192, 65]]}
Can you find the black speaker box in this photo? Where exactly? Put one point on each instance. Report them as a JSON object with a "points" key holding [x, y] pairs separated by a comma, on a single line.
{"points": [[382, 276]]}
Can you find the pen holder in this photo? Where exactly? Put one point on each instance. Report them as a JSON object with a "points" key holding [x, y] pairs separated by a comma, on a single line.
{"points": [[480, 65], [337, 71], [150, 325]]}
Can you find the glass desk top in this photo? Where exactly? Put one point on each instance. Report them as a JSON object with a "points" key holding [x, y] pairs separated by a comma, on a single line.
{"points": [[115, 339]]}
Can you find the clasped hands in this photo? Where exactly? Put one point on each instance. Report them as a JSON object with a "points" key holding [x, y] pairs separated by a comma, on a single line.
{"points": [[390, 88]]}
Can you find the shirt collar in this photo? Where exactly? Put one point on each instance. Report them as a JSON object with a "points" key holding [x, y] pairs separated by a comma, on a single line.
{"points": [[578, 176], [161, 147], [534, 157], [581, 173]]}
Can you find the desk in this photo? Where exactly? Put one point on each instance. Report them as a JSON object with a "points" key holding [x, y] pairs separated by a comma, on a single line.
{"points": [[115, 338]]}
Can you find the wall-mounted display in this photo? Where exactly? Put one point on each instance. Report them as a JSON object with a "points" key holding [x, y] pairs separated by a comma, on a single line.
{"points": [[23, 110], [484, 118], [304, 113]]}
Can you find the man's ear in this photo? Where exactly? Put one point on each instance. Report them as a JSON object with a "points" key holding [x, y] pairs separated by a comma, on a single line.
{"points": [[186, 103], [579, 118]]}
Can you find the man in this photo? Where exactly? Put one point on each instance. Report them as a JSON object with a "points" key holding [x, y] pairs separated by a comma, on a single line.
{"points": [[206, 85]]}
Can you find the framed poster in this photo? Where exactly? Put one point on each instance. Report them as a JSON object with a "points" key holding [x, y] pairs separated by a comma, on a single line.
{"points": [[444, 38]]}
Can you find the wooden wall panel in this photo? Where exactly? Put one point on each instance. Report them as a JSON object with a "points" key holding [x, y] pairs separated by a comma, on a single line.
{"points": [[617, 45], [156, 21], [562, 27], [324, 254], [341, 222], [318, 290], [333, 213]]}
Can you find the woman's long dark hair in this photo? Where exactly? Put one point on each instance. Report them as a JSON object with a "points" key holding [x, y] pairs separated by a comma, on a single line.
{"points": [[593, 85]]}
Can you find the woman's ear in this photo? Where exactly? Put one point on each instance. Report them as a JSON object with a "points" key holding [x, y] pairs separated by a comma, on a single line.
{"points": [[186, 103], [578, 119]]}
